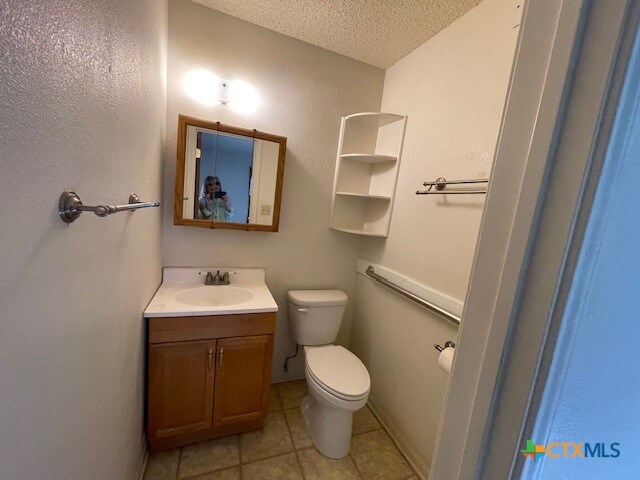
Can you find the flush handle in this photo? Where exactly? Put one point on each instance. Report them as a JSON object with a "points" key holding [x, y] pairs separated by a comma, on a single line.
{"points": [[210, 359], [303, 310]]}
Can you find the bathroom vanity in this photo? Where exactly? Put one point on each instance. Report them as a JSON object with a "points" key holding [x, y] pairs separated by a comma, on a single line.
{"points": [[209, 356]]}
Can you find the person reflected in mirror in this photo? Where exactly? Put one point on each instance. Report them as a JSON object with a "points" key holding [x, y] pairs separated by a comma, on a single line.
{"points": [[214, 203]]}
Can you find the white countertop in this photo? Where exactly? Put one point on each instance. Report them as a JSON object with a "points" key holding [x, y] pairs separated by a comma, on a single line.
{"points": [[178, 283]]}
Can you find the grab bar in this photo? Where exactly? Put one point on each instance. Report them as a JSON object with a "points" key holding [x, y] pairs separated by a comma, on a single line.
{"points": [[370, 271], [70, 206]]}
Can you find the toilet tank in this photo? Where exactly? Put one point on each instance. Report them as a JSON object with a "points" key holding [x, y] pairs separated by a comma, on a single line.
{"points": [[315, 316]]}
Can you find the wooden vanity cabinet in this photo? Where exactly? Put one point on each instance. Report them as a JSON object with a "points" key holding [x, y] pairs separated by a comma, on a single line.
{"points": [[207, 376], [180, 394], [240, 393]]}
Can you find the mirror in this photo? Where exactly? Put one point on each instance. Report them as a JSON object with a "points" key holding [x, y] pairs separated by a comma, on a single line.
{"points": [[228, 177]]}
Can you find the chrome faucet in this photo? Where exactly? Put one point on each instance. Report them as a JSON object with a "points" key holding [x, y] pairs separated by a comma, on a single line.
{"points": [[211, 280], [217, 279]]}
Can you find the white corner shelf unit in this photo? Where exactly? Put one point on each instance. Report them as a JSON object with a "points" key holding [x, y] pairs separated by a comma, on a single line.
{"points": [[366, 174]]}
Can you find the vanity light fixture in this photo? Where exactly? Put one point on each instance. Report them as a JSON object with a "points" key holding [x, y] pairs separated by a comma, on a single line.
{"points": [[202, 86], [209, 89], [243, 98]]}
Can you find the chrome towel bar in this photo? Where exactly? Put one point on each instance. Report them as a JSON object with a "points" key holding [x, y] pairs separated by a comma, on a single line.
{"points": [[370, 271], [70, 206], [441, 183]]}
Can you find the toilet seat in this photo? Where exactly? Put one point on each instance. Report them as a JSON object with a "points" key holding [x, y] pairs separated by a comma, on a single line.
{"points": [[338, 371]]}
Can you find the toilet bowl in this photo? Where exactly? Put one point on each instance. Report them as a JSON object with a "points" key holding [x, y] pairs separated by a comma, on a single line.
{"points": [[338, 381], [338, 386]]}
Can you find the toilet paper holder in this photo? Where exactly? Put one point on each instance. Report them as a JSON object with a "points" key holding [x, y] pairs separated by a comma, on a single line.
{"points": [[446, 345]]}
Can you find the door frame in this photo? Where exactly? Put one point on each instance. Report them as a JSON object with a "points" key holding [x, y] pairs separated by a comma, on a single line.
{"points": [[543, 174]]}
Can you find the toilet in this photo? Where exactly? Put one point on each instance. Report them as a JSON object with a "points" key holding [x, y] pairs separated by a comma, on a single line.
{"points": [[338, 381]]}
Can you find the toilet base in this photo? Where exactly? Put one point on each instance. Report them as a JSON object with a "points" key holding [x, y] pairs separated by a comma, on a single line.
{"points": [[329, 427]]}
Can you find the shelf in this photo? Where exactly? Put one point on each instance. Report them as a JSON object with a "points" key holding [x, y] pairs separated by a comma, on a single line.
{"points": [[364, 195], [360, 232], [366, 173], [374, 119], [369, 157], [361, 213]]}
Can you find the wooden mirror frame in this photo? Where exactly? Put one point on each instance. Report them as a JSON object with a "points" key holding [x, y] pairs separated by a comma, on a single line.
{"points": [[185, 121]]}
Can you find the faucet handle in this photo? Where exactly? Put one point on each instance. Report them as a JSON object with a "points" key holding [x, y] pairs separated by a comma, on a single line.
{"points": [[217, 279], [209, 280]]}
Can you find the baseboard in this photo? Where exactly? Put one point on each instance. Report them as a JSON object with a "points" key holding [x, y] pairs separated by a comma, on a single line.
{"points": [[421, 468], [287, 377]]}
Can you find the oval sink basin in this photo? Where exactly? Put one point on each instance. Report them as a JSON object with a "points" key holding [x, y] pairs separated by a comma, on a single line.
{"points": [[214, 296]]}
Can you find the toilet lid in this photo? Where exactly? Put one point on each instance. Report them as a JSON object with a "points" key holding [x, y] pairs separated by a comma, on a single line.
{"points": [[317, 298], [339, 370]]}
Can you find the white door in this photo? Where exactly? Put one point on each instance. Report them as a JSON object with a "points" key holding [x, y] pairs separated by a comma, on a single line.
{"points": [[554, 144]]}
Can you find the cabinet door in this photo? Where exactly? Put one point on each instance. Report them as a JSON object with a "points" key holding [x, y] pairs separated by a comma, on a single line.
{"points": [[243, 373], [180, 394]]}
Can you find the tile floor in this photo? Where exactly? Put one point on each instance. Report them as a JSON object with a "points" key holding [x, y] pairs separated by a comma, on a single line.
{"points": [[284, 451]]}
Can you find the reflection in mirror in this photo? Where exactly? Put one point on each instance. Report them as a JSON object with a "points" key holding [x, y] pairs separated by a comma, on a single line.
{"points": [[231, 176]]}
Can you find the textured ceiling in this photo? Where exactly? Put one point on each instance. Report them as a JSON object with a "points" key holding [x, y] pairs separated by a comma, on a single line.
{"points": [[377, 32]]}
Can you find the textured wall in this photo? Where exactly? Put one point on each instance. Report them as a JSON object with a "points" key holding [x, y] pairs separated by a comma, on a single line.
{"points": [[81, 107], [304, 90], [453, 90]]}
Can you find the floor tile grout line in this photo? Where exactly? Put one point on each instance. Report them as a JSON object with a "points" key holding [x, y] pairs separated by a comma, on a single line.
{"points": [[242, 463], [179, 463], [277, 454], [368, 431], [239, 443], [355, 465], [406, 458], [270, 457], [208, 472], [278, 395], [295, 451], [201, 475], [300, 465], [293, 444]]}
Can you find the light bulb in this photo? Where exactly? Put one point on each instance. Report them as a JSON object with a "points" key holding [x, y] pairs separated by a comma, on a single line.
{"points": [[202, 86], [243, 97]]}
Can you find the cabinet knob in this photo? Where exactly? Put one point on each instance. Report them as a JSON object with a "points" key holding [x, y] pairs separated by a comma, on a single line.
{"points": [[221, 356], [210, 359]]}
